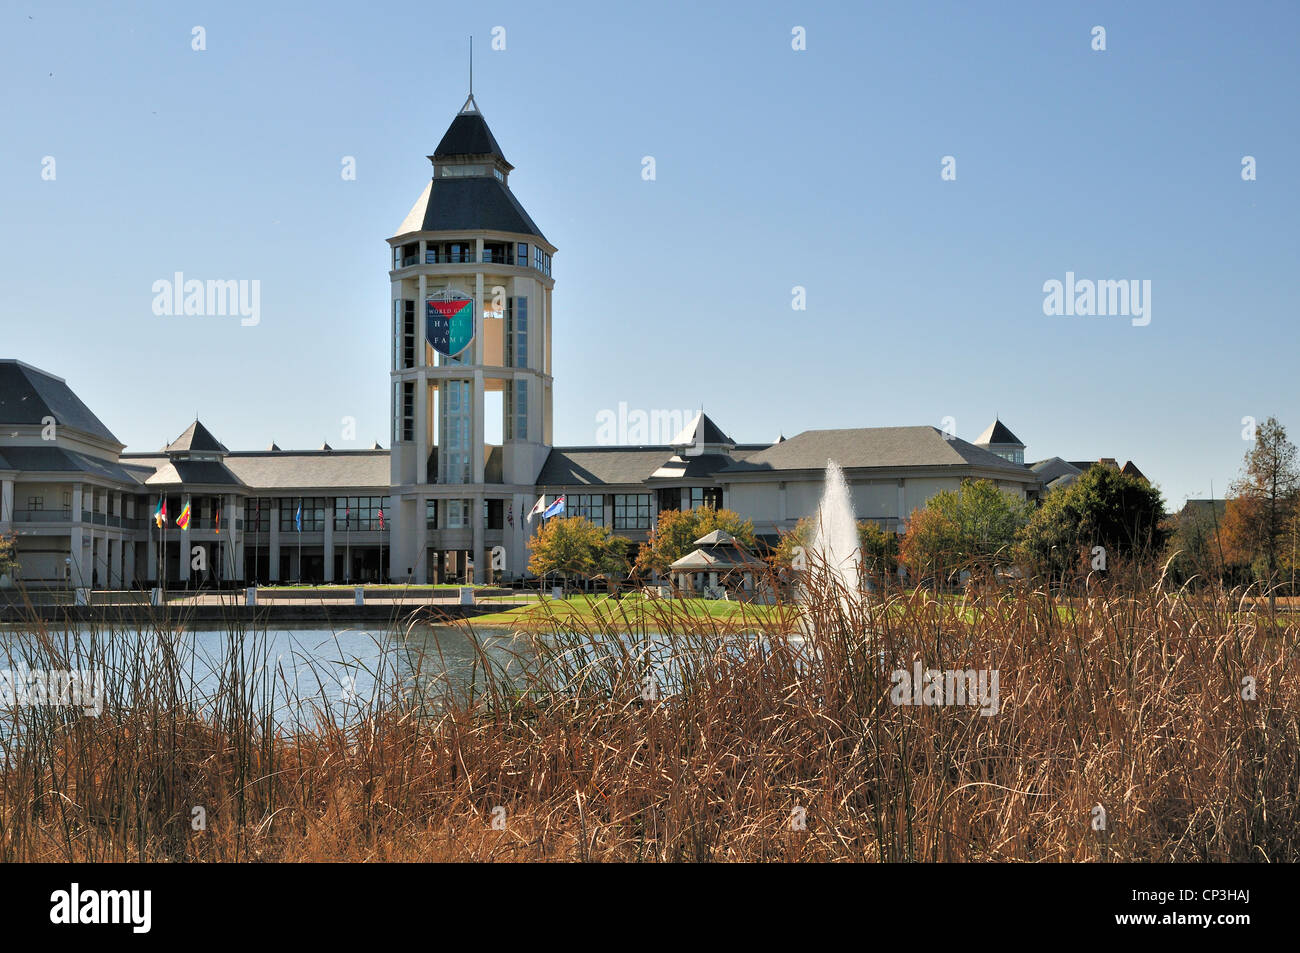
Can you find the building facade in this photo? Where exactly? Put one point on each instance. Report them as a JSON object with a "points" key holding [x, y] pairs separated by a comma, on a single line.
{"points": [[470, 321]]}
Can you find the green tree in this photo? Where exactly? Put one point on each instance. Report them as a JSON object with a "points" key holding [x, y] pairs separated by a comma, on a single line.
{"points": [[614, 561], [973, 527], [571, 546], [675, 533], [879, 546], [1104, 507], [879, 549], [1264, 499]]}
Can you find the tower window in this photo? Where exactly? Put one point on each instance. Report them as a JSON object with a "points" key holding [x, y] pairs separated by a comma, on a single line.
{"points": [[408, 410], [516, 410], [408, 333]]}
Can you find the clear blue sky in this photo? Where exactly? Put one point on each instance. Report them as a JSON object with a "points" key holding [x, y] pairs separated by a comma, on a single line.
{"points": [[775, 168]]}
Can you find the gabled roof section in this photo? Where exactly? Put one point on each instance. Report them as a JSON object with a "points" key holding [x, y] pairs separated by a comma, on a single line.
{"points": [[998, 433], [28, 395], [196, 439], [873, 447]]}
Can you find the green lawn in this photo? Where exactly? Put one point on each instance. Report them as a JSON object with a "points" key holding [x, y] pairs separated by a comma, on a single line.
{"points": [[632, 610], [372, 585]]}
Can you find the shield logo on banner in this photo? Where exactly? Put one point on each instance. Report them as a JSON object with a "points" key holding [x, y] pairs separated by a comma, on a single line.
{"points": [[449, 324]]}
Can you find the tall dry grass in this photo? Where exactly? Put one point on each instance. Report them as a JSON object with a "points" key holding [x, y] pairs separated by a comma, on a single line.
{"points": [[709, 742]]}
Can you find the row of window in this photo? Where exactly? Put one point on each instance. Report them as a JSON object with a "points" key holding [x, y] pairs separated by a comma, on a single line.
{"points": [[693, 497], [468, 171], [455, 253], [350, 513]]}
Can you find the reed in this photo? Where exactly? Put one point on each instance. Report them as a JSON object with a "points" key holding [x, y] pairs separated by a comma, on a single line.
{"points": [[658, 738]]}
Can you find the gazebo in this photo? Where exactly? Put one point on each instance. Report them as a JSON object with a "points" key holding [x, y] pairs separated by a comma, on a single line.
{"points": [[719, 562]]}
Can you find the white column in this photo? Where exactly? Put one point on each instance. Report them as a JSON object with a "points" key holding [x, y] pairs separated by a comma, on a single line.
{"points": [[80, 575], [476, 430], [115, 564], [6, 503], [476, 506]]}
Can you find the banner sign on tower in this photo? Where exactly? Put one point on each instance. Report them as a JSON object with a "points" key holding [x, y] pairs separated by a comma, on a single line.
{"points": [[449, 324]]}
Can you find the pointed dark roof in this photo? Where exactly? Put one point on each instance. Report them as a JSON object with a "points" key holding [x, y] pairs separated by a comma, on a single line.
{"points": [[702, 431], [465, 203], [196, 439], [29, 395], [468, 135], [998, 433]]}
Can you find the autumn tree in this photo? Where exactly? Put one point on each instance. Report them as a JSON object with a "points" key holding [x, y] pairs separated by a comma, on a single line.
{"points": [[1262, 501], [8, 555], [675, 533], [973, 527], [570, 546]]}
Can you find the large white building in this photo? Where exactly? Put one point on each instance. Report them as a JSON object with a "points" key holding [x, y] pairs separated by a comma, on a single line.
{"points": [[470, 316]]}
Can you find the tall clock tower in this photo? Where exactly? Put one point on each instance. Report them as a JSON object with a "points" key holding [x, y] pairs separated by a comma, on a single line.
{"points": [[471, 319]]}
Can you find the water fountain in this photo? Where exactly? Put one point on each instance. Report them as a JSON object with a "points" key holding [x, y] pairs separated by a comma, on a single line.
{"points": [[835, 532]]}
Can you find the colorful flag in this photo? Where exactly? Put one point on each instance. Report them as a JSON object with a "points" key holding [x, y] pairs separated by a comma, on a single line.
{"points": [[160, 514], [510, 515], [297, 517], [538, 507], [216, 517], [183, 520], [347, 516], [381, 517], [555, 509]]}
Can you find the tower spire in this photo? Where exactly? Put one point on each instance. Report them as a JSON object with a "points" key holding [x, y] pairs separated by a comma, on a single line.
{"points": [[470, 106]]}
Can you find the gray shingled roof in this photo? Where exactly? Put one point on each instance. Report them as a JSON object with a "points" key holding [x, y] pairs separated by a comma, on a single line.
{"points": [[691, 467], [997, 433], [1053, 468], [194, 473], [28, 395], [472, 202], [596, 466], [873, 447], [287, 469], [58, 460], [196, 439], [468, 135]]}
